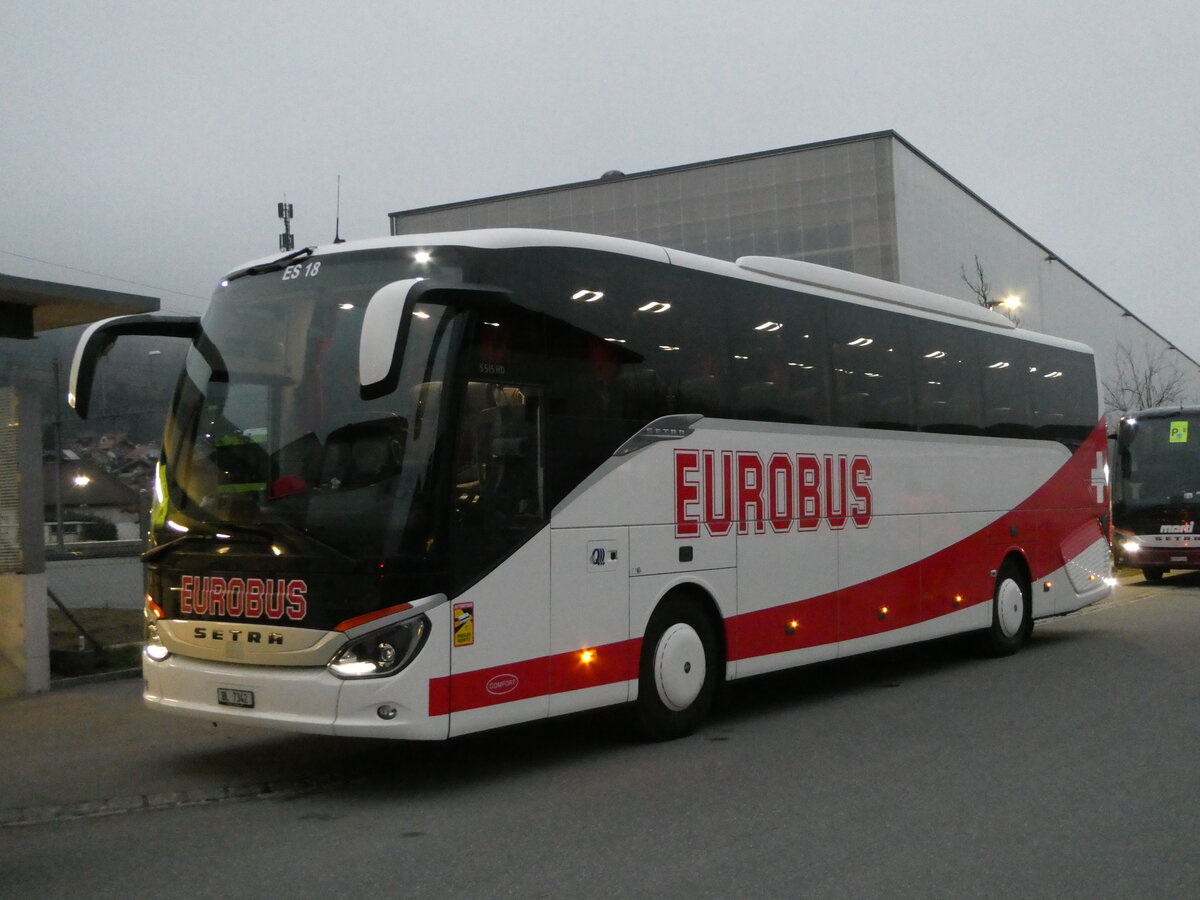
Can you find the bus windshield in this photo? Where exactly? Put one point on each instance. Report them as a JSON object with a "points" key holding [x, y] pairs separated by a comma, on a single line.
{"points": [[268, 429], [1158, 463]]}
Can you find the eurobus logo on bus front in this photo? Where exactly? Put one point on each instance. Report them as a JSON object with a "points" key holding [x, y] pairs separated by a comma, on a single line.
{"points": [[721, 488]]}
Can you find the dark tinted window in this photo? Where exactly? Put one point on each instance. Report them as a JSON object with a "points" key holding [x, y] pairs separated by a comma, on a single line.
{"points": [[1003, 366], [628, 340], [872, 378], [946, 378], [780, 356], [1063, 383]]}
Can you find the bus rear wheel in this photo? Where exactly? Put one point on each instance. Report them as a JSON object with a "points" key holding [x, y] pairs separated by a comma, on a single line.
{"points": [[679, 672], [1153, 573], [1012, 612]]}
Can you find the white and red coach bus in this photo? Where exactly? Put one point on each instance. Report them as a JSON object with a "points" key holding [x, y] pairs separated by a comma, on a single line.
{"points": [[422, 486]]}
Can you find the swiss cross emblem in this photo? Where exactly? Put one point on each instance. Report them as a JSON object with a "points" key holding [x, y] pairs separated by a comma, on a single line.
{"points": [[1099, 477]]}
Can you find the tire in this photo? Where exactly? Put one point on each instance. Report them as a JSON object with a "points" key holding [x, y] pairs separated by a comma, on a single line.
{"points": [[680, 670], [1153, 573], [1012, 612]]}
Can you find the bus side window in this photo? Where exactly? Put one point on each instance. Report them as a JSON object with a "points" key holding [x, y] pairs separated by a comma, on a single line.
{"points": [[946, 378]]}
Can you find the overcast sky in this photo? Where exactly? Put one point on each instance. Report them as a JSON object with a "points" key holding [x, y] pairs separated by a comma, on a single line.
{"points": [[144, 145]]}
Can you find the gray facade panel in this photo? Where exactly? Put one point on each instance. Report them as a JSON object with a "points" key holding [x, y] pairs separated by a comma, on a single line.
{"points": [[827, 204]]}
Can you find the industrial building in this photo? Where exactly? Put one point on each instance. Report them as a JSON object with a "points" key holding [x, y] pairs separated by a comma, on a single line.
{"points": [[871, 204]]}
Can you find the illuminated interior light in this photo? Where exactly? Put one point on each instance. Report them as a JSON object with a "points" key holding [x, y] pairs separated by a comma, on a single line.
{"points": [[588, 296], [277, 550], [655, 306], [1053, 375], [615, 340], [739, 356], [421, 257], [768, 326], [81, 481], [872, 374], [667, 347], [493, 324], [421, 314], [587, 656], [998, 365], [345, 306], [175, 526], [800, 365], [225, 282], [935, 354], [862, 342]]}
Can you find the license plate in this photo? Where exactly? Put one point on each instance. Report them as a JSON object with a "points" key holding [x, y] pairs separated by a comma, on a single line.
{"points": [[235, 697]]}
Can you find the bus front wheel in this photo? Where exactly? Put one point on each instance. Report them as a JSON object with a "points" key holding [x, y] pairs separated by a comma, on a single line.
{"points": [[1012, 612], [1153, 573], [679, 671]]}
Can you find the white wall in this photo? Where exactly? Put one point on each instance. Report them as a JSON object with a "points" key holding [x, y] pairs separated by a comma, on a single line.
{"points": [[941, 228]]}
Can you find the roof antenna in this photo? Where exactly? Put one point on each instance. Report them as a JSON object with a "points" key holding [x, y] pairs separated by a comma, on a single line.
{"points": [[337, 220]]}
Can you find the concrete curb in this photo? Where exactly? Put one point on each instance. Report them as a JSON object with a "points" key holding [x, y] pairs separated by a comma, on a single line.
{"points": [[95, 678], [90, 809]]}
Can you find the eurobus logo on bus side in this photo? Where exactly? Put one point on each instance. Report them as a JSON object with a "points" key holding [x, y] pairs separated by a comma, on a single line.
{"points": [[721, 488]]}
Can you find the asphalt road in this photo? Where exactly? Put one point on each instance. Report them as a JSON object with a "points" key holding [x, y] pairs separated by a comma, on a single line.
{"points": [[1069, 770]]}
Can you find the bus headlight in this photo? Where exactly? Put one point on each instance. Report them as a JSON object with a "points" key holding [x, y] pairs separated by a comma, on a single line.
{"points": [[154, 647], [1131, 546], [383, 652]]}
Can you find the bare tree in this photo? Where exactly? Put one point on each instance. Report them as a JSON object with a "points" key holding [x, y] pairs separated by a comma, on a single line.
{"points": [[980, 288], [983, 291], [1153, 380]]}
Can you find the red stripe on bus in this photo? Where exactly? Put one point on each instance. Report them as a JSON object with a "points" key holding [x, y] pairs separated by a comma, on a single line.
{"points": [[371, 616], [555, 674], [953, 578]]}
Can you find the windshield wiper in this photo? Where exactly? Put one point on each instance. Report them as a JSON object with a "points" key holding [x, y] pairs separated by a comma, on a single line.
{"points": [[273, 265]]}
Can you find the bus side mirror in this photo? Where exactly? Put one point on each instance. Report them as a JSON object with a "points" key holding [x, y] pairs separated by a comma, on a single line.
{"points": [[99, 338], [386, 320], [383, 326]]}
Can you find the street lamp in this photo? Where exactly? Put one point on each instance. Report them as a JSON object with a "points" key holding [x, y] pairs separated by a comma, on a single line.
{"points": [[1011, 303]]}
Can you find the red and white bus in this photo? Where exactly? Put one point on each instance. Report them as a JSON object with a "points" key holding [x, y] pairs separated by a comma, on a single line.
{"points": [[422, 486]]}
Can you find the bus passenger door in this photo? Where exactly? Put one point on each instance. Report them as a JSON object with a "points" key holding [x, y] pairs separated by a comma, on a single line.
{"points": [[501, 548]]}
